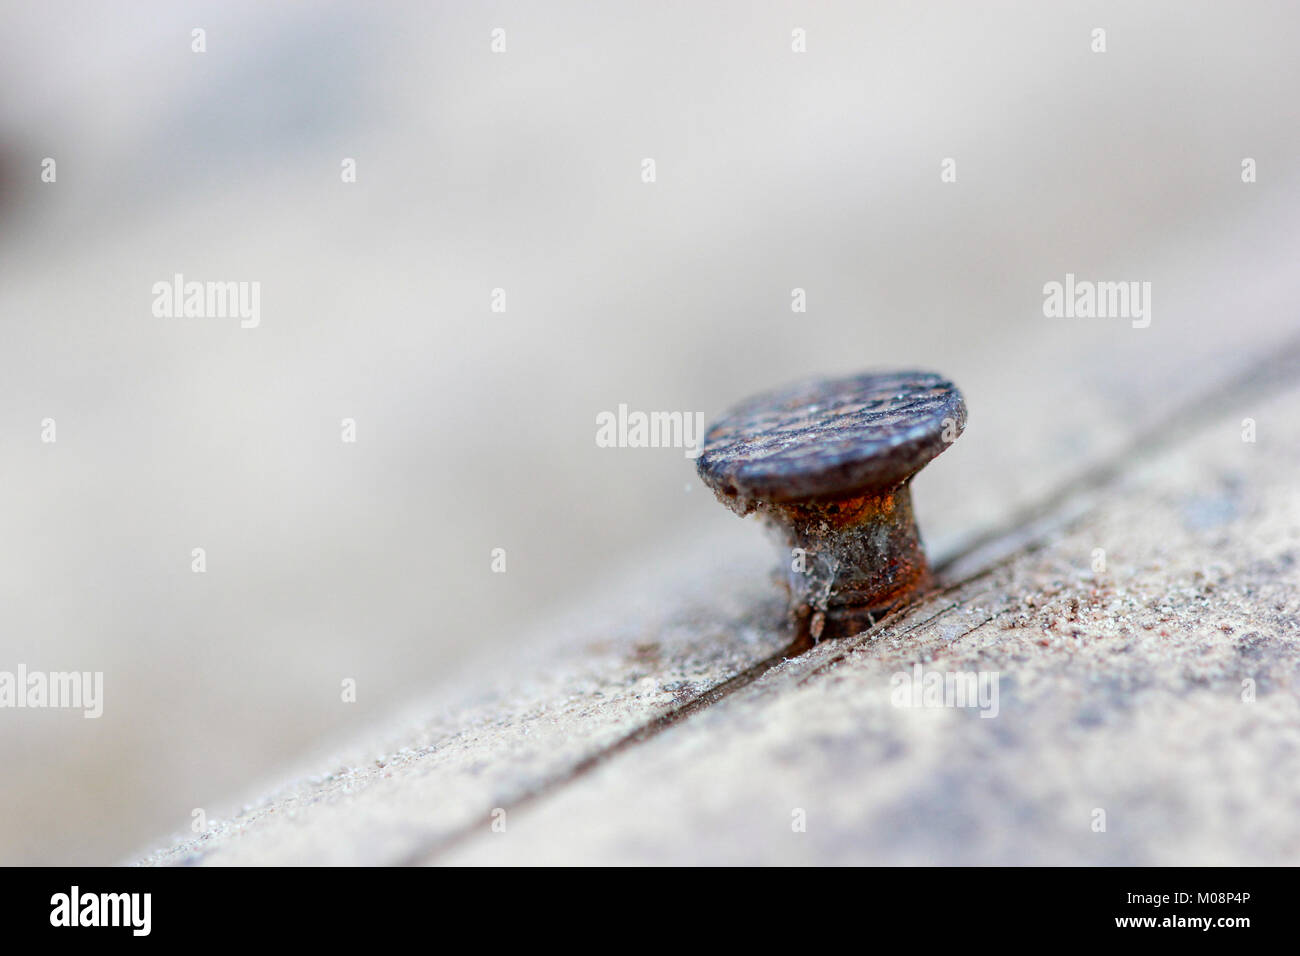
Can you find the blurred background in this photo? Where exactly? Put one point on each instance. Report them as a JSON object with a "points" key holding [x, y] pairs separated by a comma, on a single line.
{"points": [[522, 171]]}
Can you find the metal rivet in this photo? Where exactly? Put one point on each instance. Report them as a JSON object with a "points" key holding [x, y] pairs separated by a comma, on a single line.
{"points": [[829, 463]]}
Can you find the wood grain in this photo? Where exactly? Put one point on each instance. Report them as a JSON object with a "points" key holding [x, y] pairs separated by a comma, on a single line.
{"points": [[660, 724]]}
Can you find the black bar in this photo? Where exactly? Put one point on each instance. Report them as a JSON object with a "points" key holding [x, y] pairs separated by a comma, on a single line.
{"points": [[328, 906]]}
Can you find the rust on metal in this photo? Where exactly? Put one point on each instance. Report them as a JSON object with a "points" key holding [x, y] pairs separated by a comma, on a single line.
{"points": [[829, 463]]}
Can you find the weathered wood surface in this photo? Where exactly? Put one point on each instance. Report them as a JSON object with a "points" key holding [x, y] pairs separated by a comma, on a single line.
{"points": [[1121, 692], [522, 725], [659, 728]]}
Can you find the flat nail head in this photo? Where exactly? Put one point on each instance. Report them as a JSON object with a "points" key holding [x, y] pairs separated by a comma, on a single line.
{"points": [[829, 462]]}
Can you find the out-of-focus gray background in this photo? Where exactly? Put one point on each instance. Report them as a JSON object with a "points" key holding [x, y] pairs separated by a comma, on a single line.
{"points": [[522, 171]]}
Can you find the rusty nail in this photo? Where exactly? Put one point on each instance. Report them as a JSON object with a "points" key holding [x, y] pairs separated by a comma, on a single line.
{"points": [[829, 463]]}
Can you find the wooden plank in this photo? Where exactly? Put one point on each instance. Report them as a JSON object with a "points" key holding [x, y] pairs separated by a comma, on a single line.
{"points": [[1156, 698], [585, 682], [589, 753]]}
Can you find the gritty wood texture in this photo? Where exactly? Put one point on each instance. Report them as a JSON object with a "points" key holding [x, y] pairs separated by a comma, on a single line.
{"points": [[1121, 691], [664, 727], [513, 728]]}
